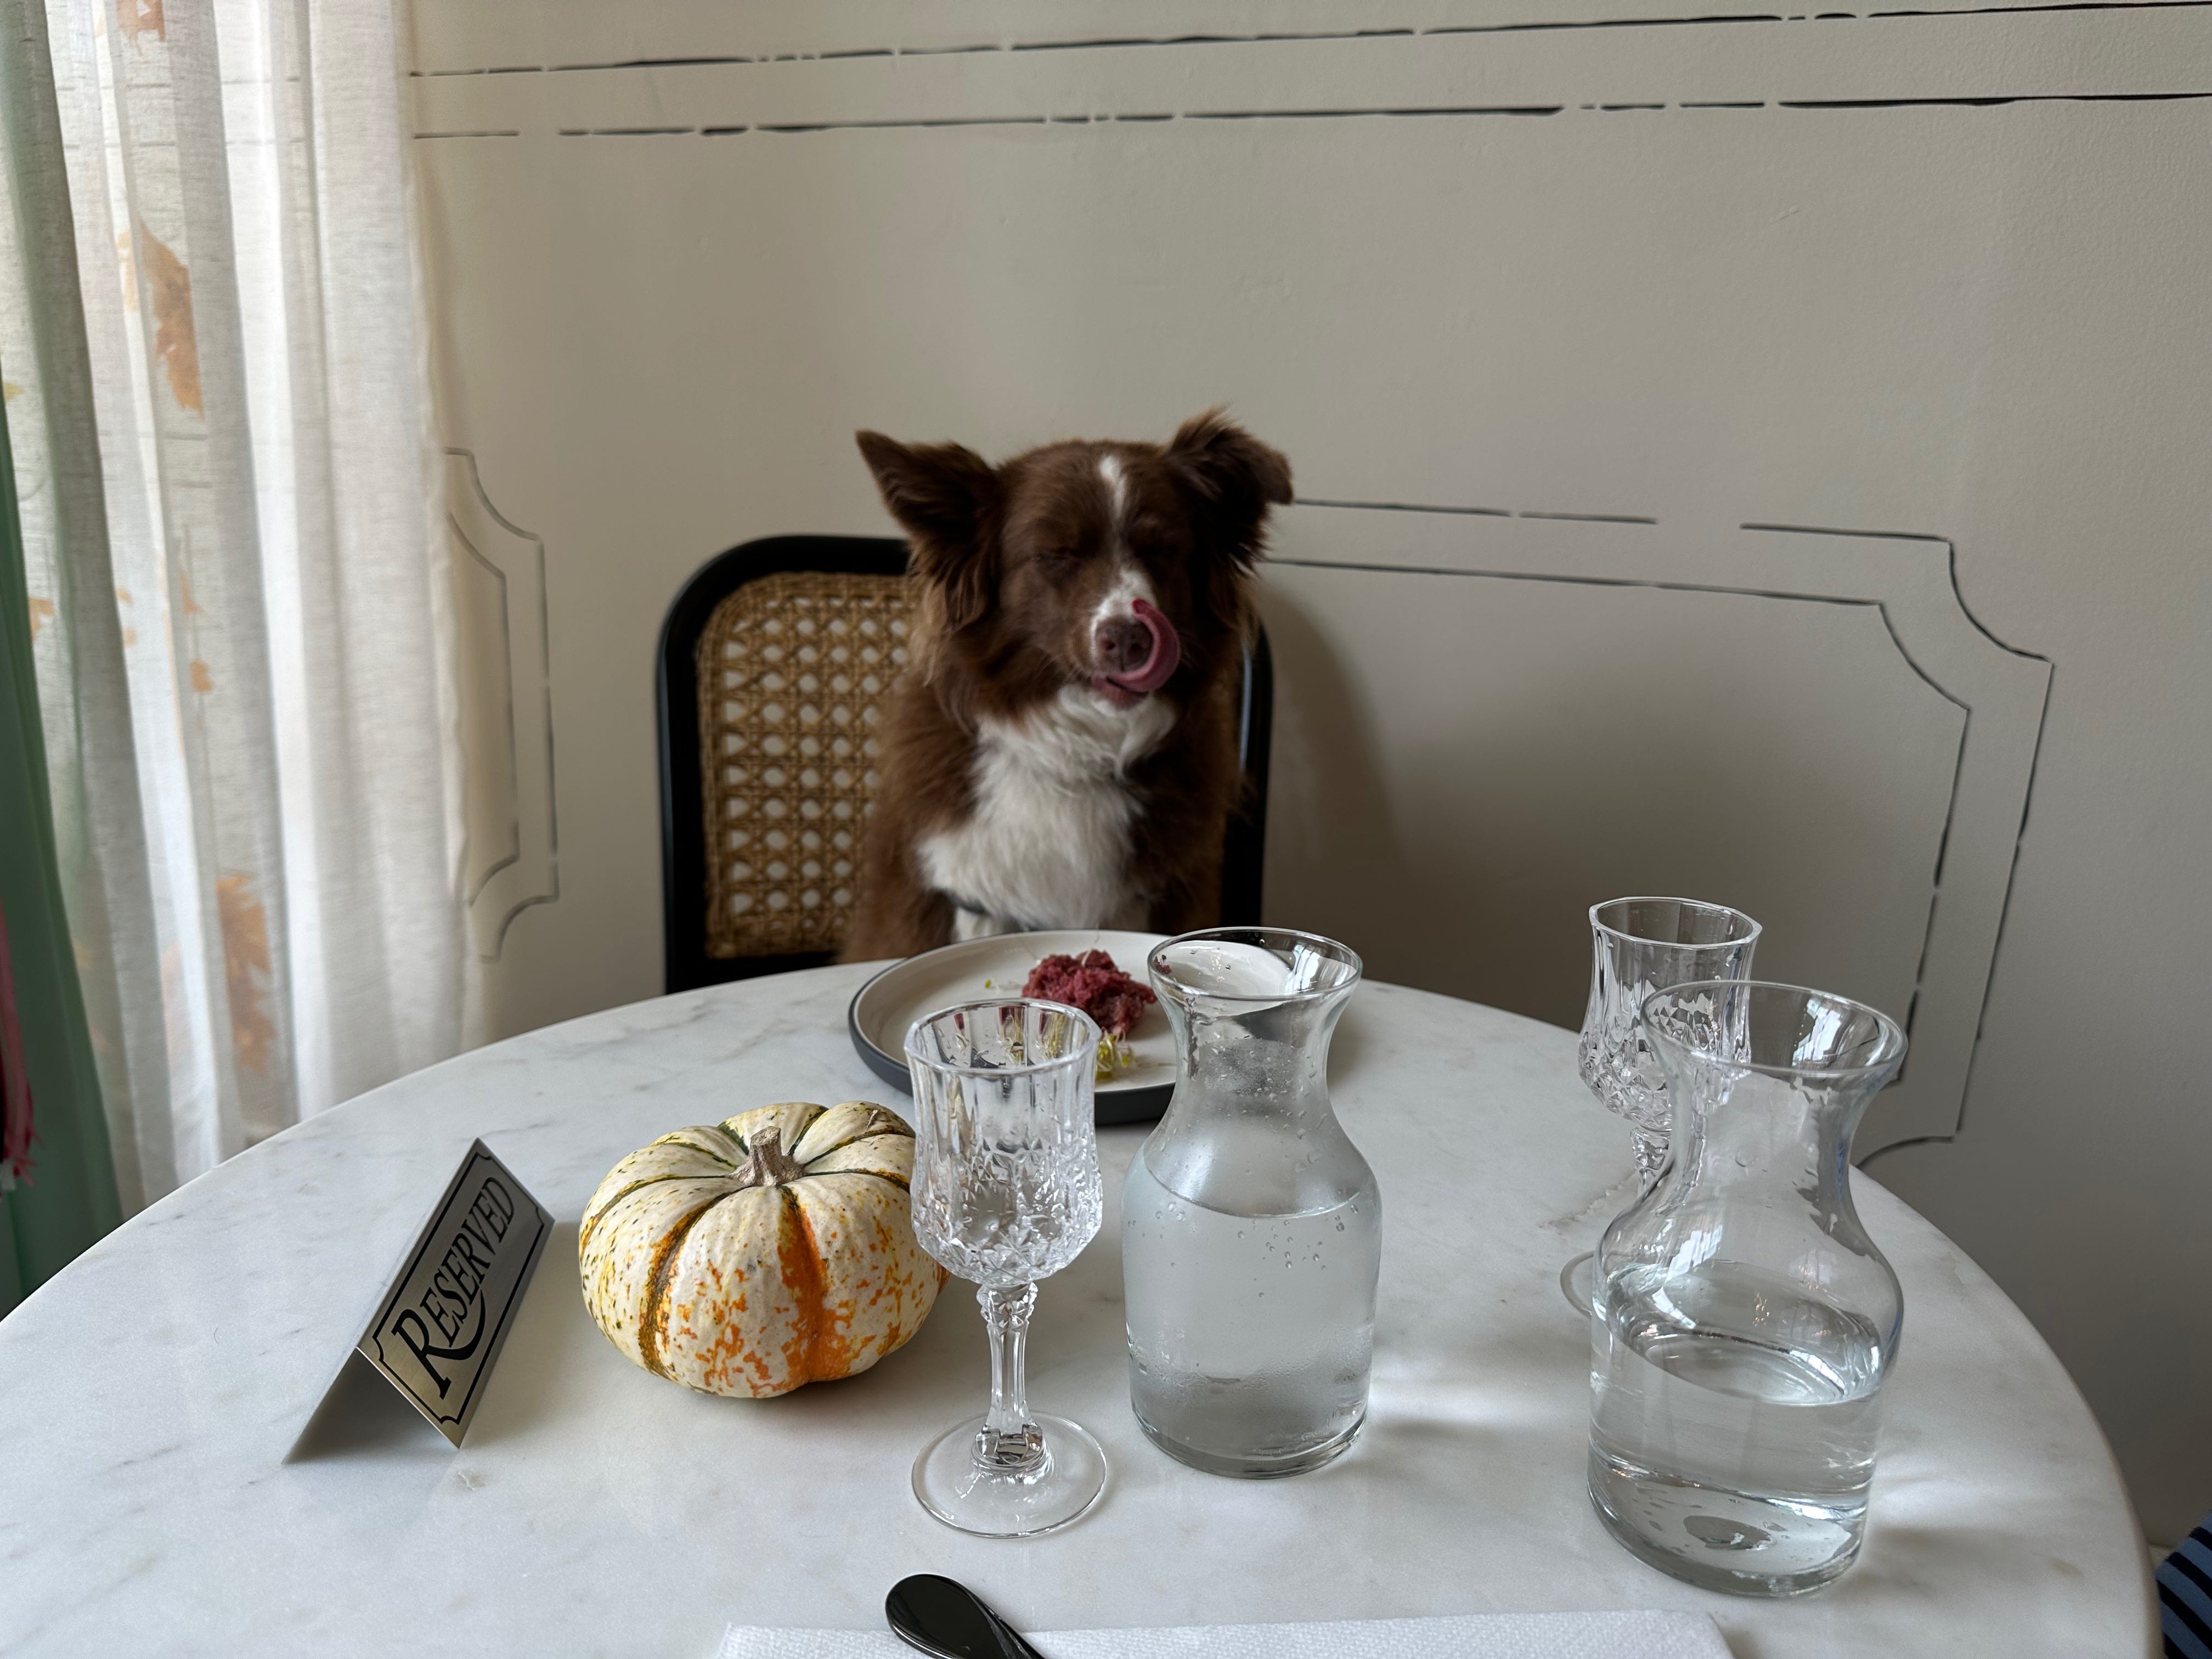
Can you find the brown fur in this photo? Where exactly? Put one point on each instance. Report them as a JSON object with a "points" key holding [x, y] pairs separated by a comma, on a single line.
{"points": [[1014, 559]]}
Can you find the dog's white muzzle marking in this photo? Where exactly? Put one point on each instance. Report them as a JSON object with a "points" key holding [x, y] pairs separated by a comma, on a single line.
{"points": [[1131, 583]]}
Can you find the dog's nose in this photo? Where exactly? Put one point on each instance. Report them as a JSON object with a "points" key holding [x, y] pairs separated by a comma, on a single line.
{"points": [[1124, 645]]}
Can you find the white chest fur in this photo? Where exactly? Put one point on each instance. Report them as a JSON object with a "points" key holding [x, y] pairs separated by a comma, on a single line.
{"points": [[1047, 844]]}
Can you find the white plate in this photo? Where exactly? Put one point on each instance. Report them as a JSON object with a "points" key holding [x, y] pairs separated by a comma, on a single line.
{"points": [[978, 969]]}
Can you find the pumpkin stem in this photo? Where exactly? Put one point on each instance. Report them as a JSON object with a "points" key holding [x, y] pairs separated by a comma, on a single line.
{"points": [[767, 1164]]}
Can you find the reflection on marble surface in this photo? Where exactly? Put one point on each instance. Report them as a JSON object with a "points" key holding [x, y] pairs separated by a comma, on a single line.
{"points": [[153, 1392]]}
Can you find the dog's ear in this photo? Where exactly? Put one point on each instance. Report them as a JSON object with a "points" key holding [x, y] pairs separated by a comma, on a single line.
{"points": [[947, 499], [1234, 474]]}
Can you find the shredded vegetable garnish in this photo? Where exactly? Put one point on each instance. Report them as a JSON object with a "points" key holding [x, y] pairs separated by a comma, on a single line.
{"points": [[1115, 1055]]}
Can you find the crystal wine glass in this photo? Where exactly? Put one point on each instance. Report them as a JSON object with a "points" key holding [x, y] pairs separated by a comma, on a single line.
{"points": [[1640, 945], [1006, 1192]]}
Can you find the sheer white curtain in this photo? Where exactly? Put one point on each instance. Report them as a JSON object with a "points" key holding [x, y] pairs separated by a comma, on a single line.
{"points": [[210, 336]]}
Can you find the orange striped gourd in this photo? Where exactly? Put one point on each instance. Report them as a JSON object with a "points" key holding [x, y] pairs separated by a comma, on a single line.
{"points": [[756, 1255]]}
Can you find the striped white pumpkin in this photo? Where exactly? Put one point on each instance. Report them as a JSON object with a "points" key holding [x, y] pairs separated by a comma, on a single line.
{"points": [[719, 1259]]}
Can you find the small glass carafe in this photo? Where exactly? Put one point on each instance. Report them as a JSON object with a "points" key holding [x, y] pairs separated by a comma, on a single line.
{"points": [[1251, 1227], [1742, 1322]]}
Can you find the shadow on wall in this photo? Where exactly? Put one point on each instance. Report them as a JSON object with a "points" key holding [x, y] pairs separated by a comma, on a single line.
{"points": [[1532, 766]]}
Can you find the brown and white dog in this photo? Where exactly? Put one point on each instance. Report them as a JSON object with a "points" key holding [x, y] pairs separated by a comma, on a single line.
{"points": [[1062, 751]]}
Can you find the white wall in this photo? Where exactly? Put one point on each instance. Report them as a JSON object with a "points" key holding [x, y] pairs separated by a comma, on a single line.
{"points": [[1939, 282]]}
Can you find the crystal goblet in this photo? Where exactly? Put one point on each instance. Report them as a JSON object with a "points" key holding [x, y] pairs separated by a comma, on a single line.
{"points": [[1006, 1192], [1640, 945]]}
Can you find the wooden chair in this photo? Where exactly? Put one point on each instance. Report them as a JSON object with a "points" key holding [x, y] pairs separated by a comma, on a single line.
{"points": [[776, 661]]}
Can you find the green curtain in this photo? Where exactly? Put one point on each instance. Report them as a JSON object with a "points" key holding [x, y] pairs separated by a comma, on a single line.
{"points": [[70, 1199]]}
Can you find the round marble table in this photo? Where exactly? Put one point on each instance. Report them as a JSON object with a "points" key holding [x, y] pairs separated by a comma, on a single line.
{"points": [[152, 1392]]}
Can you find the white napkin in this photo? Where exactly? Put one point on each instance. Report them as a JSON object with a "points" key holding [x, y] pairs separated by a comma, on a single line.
{"points": [[1485, 1636]]}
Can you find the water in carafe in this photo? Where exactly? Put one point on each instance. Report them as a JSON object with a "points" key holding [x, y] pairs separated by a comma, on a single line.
{"points": [[1757, 1453], [1249, 1336]]}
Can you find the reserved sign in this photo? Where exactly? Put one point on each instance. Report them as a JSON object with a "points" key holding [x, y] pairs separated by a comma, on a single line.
{"points": [[439, 1328]]}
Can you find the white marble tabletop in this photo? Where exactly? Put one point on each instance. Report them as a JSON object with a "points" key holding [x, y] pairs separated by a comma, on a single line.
{"points": [[150, 1394]]}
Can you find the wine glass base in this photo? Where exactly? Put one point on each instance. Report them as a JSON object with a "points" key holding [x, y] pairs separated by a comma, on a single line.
{"points": [[1575, 1281], [958, 1491]]}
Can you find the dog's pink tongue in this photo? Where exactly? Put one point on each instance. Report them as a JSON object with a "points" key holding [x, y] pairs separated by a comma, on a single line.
{"points": [[1167, 652]]}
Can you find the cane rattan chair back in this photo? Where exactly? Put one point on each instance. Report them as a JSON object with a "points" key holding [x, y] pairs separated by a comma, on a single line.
{"points": [[776, 662]]}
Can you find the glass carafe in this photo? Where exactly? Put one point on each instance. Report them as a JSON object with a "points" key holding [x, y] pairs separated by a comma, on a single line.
{"points": [[1251, 1227], [1742, 1322]]}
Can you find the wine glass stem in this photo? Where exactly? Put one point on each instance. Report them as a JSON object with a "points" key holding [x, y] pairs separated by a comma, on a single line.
{"points": [[1010, 1442], [1650, 1155]]}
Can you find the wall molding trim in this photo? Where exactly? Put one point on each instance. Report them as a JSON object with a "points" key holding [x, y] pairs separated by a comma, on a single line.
{"points": [[808, 72], [1911, 581], [511, 857]]}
